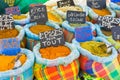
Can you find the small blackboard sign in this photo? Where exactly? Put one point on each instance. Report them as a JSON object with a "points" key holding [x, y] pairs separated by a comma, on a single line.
{"points": [[98, 4], [13, 10], [51, 38], [76, 17], [6, 22], [64, 3], [38, 14], [107, 22], [116, 33], [83, 34], [9, 46]]}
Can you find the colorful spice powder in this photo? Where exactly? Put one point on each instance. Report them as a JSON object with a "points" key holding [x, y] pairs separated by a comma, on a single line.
{"points": [[8, 33], [102, 12], [54, 52], [40, 28], [8, 62], [54, 17], [95, 48], [107, 33], [19, 17]]}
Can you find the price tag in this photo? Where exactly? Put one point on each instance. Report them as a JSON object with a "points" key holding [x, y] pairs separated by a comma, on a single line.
{"points": [[10, 46], [107, 22], [51, 38], [13, 10], [39, 14], [64, 3], [76, 17], [116, 33], [6, 22], [98, 4], [83, 34]]}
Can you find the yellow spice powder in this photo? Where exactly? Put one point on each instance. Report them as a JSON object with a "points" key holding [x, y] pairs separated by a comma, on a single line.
{"points": [[19, 17], [93, 47], [40, 28]]}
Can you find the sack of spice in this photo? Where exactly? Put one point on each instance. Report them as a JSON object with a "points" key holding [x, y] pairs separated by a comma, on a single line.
{"points": [[69, 29], [21, 19], [56, 62], [107, 35], [17, 32], [54, 17], [17, 67], [32, 31], [63, 10], [96, 61], [94, 13], [116, 8]]}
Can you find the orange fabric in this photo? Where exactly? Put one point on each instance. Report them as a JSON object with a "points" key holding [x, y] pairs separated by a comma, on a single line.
{"points": [[54, 52]]}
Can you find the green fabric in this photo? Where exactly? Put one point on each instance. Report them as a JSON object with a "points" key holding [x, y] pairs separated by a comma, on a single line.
{"points": [[23, 4]]}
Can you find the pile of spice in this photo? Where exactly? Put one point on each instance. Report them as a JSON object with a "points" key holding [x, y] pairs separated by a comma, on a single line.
{"points": [[19, 17], [8, 62], [54, 52], [40, 28], [8, 33], [96, 48]]}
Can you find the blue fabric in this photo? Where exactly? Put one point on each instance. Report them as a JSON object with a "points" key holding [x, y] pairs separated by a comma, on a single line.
{"points": [[115, 1]]}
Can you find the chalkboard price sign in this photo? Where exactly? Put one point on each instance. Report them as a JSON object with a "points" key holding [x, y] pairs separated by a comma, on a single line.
{"points": [[83, 34], [76, 17], [107, 22], [39, 14], [6, 22], [13, 10], [9, 46], [64, 3], [98, 4], [52, 38], [116, 33]]}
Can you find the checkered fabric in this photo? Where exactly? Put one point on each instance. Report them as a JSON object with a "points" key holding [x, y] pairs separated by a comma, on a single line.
{"points": [[61, 72], [68, 35], [108, 71]]}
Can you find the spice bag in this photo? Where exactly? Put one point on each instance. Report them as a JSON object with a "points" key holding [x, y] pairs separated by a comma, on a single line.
{"points": [[23, 21], [32, 38], [103, 67], [116, 8], [21, 35], [69, 31], [25, 72], [109, 38], [62, 68], [63, 14], [94, 16]]}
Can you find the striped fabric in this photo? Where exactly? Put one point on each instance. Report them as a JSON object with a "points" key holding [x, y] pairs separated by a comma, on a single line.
{"points": [[68, 72], [68, 35], [31, 43], [108, 71]]}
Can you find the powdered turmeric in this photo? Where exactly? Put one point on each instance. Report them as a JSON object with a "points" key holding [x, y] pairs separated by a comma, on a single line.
{"points": [[19, 17], [8, 62], [95, 49], [54, 52], [8, 33], [40, 28], [54, 17], [102, 12]]}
